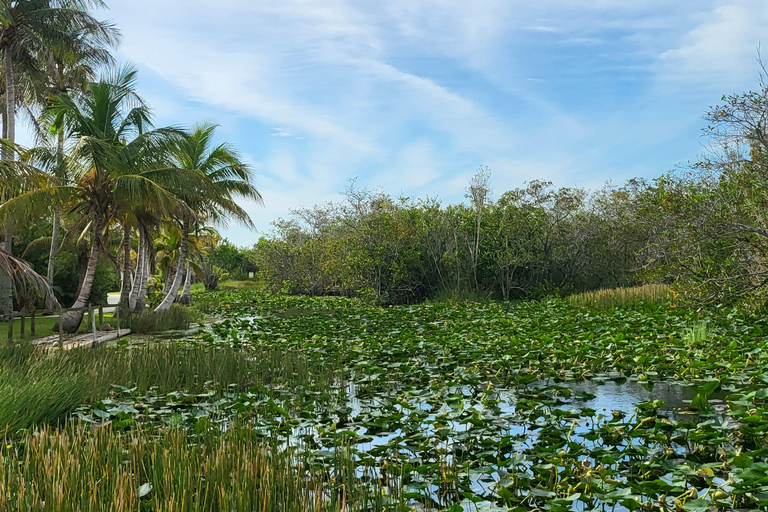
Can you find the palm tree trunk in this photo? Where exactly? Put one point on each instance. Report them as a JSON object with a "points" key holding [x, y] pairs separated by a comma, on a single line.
{"points": [[9, 133], [125, 291], [55, 236], [6, 283], [141, 293], [167, 281], [71, 320], [56, 212], [186, 295], [170, 297], [140, 264], [10, 103]]}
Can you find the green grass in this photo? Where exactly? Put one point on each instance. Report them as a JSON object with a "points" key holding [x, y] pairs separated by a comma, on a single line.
{"points": [[177, 318], [238, 285], [43, 328], [44, 387], [228, 285], [81, 469], [622, 297]]}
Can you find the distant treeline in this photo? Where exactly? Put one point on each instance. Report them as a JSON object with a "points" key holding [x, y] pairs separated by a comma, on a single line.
{"points": [[703, 230], [527, 243]]}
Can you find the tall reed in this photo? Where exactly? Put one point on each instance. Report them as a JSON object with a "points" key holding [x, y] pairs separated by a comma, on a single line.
{"points": [[41, 387], [621, 297], [81, 469]]}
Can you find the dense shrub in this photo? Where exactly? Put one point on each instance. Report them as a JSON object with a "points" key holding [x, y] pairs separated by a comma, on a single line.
{"points": [[529, 243], [174, 319]]}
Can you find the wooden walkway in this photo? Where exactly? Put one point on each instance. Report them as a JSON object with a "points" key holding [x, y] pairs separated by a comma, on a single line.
{"points": [[82, 340]]}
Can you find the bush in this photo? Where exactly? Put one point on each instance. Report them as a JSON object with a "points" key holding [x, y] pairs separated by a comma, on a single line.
{"points": [[175, 319]]}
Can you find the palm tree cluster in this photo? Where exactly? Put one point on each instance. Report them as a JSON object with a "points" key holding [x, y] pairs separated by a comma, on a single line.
{"points": [[100, 167]]}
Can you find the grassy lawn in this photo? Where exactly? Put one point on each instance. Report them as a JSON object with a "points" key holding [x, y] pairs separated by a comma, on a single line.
{"points": [[43, 327], [228, 285]]}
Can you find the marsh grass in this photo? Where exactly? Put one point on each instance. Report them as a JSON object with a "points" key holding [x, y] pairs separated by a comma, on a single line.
{"points": [[239, 285], [89, 470], [37, 388], [698, 333], [41, 387], [621, 297], [177, 318]]}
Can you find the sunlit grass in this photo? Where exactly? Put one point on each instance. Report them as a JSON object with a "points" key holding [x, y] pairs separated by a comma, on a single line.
{"points": [[621, 297], [89, 470], [43, 387], [698, 333]]}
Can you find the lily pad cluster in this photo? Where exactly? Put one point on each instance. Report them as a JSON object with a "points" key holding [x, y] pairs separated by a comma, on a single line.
{"points": [[470, 406]]}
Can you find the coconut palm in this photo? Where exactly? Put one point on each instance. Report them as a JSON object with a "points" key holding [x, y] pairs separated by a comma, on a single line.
{"points": [[120, 167], [200, 244], [30, 29], [228, 177], [66, 72]]}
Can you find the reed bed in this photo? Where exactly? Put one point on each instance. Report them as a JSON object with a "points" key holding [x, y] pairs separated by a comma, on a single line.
{"points": [[622, 297], [40, 387], [77, 468]]}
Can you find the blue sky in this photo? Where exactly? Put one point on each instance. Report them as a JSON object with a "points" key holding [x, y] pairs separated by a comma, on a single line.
{"points": [[413, 95]]}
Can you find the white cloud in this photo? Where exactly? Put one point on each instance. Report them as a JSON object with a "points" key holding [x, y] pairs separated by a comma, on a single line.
{"points": [[721, 48], [415, 94]]}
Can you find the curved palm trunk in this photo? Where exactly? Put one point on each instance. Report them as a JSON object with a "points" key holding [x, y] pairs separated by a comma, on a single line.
{"points": [[56, 232], [186, 295], [140, 264], [10, 103], [71, 320], [125, 291], [170, 297], [141, 293]]}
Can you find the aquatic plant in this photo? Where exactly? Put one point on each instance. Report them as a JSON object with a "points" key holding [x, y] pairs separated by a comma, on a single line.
{"points": [[622, 297]]}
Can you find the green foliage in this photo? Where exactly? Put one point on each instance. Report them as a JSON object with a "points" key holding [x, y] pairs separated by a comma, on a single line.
{"points": [[37, 388], [69, 267], [403, 251], [236, 261], [654, 294], [174, 319], [698, 333], [415, 398], [175, 470]]}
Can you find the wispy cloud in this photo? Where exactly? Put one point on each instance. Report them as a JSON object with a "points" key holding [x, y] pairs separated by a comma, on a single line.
{"points": [[415, 94]]}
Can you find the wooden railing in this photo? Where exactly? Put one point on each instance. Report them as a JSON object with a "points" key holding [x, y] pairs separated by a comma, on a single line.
{"points": [[90, 309]]}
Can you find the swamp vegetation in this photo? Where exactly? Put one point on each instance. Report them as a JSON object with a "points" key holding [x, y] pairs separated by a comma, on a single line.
{"points": [[299, 403]]}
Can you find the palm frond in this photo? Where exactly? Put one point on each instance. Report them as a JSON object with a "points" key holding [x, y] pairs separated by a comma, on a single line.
{"points": [[24, 278]]}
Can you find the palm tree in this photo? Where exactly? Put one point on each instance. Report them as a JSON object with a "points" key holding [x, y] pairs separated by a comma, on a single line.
{"points": [[199, 245], [30, 29], [121, 167], [67, 72], [228, 177]]}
